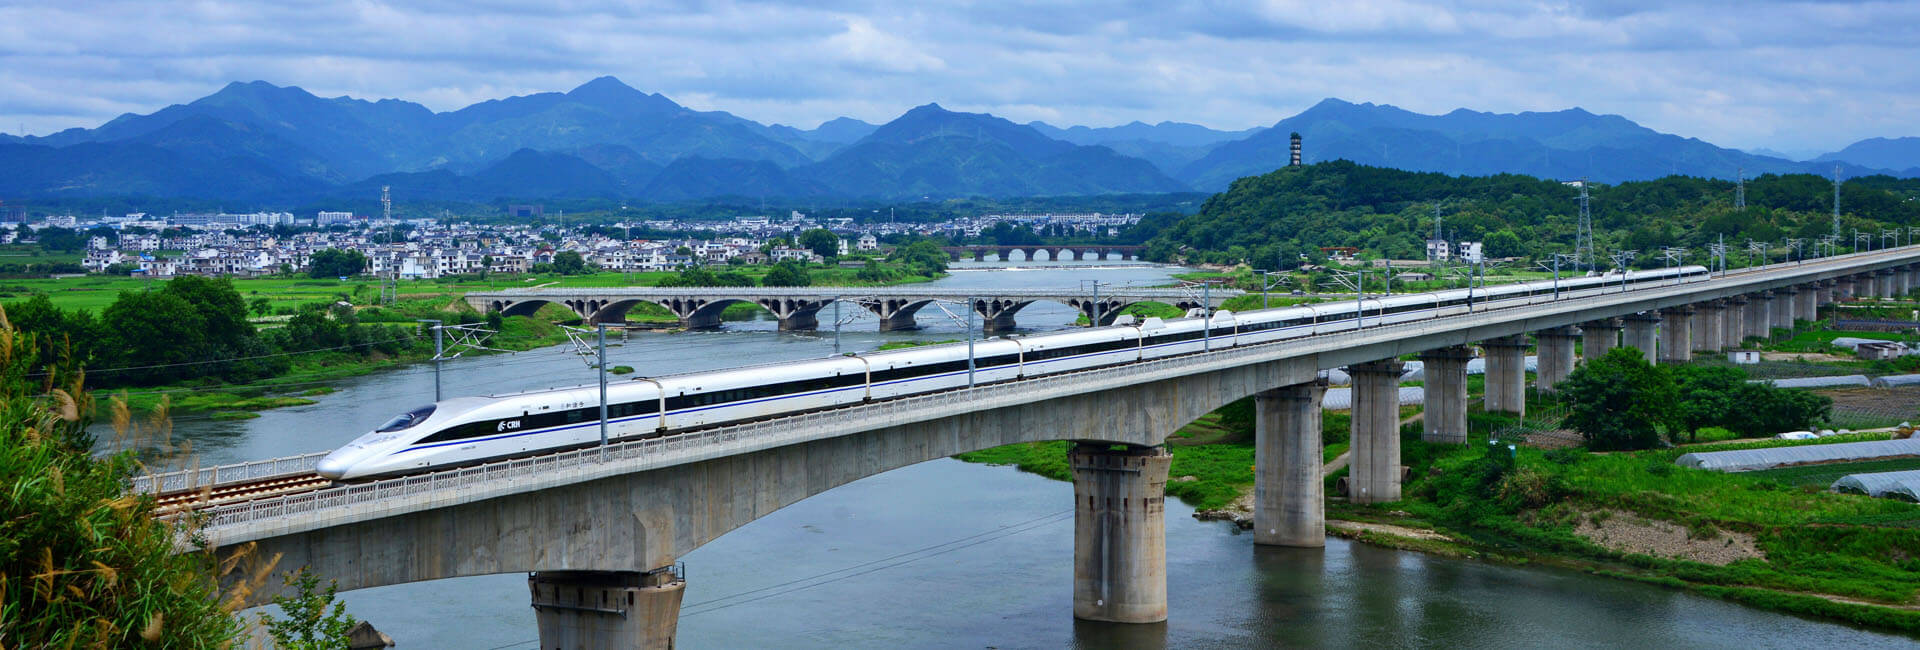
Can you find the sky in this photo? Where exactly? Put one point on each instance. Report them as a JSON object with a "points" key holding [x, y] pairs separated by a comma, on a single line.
{"points": [[1799, 77]]}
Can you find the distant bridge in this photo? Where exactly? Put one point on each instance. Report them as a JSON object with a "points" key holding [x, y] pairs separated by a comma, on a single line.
{"points": [[1054, 252], [799, 307]]}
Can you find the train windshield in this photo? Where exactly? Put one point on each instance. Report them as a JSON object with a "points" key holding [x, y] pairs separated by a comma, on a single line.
{"points": [[406, 420]]}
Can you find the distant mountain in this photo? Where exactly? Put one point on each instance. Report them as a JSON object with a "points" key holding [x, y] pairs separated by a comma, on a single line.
{"points": [[695, 177], [1564, 144], [931, 151], [1179, 134], [1882, 153], [255, 141]]}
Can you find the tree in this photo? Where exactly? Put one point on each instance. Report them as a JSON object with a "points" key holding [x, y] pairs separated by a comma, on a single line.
{"points": [[88, 564], [1619, 401], [261, 307], [486, 265], [314, 621], [569, 263], [923, 256], [821, 241], [334, 263], [60, 239], [120, 268], [1503, 243], [787, 274]]}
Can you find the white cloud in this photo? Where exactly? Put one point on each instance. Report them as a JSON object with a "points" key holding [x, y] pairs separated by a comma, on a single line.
{"points": [[1787, 75]]}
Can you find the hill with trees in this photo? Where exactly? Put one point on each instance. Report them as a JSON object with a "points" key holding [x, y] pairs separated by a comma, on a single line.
{"points": [[1277, 217]]}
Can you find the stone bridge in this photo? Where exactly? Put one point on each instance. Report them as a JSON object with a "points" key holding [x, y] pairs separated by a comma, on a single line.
{"points": [[1054, 253], [798, 308]]}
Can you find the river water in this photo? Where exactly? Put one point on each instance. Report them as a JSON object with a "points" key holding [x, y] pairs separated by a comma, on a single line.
{"points": [[953, 555]]}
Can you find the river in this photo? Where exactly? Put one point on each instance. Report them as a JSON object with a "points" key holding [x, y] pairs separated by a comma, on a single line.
{"points": [[952, 555]]}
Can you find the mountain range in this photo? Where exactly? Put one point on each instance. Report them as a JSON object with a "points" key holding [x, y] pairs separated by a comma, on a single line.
{"points": [[260, 142]]}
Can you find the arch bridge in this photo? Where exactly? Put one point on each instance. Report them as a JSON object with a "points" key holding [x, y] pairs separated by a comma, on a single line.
{"points": [[1055, 253], [798, 308]]}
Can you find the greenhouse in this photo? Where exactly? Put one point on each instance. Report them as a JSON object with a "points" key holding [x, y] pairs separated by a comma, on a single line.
{"points": [[1890, 381], [1819, 382], [1752, 459], [1904, 486]]}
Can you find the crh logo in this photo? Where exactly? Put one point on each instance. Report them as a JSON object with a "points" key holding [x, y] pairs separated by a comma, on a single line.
{"points": [[508, 425]]}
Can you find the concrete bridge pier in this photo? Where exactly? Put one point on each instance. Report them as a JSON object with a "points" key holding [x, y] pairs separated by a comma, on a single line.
{"points": [[1806, 306], [1706, 326], [606, 609], [896, 313], [1556, 356], [1674, 346], [1760, 316], [1733, 322], [1444, 380], [1782, 305], [1119, 532], [1289, 500], [1506, 374], [1099, 313], [1374, 475], [1641, 334], [1823, 293], [997, 315], [1902, 282], [1864, 286], [1598, 337]]}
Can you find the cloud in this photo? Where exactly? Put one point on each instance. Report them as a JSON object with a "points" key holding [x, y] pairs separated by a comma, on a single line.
{"points": [[1786, 75]]}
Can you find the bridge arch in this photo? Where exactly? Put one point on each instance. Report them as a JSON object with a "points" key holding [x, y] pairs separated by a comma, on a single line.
{"points": [[649, 519], [615, 311], [529, 307]]}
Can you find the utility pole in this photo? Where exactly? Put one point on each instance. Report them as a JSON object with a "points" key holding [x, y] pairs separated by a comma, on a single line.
{"points": [[1206, 315], [602, 330], [970, 337], [836, 326], [465, 337]]}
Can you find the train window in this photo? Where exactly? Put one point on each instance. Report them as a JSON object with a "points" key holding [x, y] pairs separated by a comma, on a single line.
{"points": [[406, 420]]}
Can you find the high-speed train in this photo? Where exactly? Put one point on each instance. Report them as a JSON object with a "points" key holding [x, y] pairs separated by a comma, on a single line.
{"points": [[467, 430]]}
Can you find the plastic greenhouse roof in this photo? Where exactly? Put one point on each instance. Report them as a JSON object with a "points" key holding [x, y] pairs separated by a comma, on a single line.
{"points": [[1753, 459], [1901, 485]]}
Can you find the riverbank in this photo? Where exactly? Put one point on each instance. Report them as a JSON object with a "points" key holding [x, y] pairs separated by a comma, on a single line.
{"points": [[1765, 540]]}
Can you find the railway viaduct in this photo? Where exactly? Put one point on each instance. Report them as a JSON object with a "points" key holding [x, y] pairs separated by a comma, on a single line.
{"points": [[602, 529], [798, 308]]}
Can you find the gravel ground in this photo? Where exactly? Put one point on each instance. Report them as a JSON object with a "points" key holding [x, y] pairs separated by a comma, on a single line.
{"points": [[1630, 533]]}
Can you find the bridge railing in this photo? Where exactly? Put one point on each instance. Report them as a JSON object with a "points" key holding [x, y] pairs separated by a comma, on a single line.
{"points": [[828, 292], [164, 482], [718, 441]]}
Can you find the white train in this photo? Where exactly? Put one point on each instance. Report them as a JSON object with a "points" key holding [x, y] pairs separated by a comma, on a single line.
{"points": [[467, 430]]}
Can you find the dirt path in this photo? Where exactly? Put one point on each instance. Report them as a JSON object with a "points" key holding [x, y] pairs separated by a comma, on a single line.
{"points": [[1387, 529]]}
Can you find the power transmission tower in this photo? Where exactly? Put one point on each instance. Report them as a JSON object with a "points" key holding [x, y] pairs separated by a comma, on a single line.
{"points": [[1740, 190], [1583, 238], [1836, 200]]}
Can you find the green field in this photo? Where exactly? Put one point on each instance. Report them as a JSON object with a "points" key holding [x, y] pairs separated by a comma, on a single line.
{"points": [[95, 292]]}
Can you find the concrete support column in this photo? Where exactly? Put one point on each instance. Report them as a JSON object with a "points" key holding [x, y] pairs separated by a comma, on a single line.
{"points": [[1902, 283], [1640, 334], [1733, 322], [1444, 379], [1374, 467], [1506, 374], [1600, 336], [1556, 356], [1884, 281], [1842, 289], [1782, 305], [1806, 305], [1760, 315], [1865, 286], [1119, 533], [1674, 346], [606, 609], [1289, 497], [1823, 293], [1705, 326]]}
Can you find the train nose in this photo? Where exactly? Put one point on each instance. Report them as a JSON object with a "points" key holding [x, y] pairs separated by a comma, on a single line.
{"points": [[334, 465]]}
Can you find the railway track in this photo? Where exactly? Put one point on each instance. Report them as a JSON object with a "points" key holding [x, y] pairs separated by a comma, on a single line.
{"points": [[185, 500]]}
